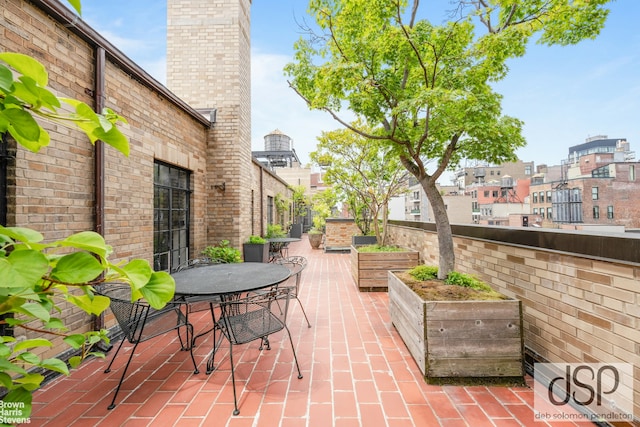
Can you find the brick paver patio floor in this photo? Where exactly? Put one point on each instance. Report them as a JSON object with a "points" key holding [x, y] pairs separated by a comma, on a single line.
{"points": [[357, 372]]}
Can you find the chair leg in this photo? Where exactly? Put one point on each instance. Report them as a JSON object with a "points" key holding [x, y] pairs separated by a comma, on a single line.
{"points": [[124, 372], [106, 371], [193, 359], [295, 358], [303, 312], [236, 411]]}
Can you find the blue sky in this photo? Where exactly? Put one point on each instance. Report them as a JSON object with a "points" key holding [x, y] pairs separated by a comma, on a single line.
{"points": [[563, 94]]}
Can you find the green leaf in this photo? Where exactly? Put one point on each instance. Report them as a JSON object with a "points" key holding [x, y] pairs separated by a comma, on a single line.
{"points": [[75, 361], [5, 380], [77, 267], [27, 66], [91, 305], [139, 272], [76, 4], [22, 124], [39, 342], [56, 365], [7, 366], [6, 79], [30, 381], [114, 138], [159, 290], [89, 241], [75, 341], [23, 268], [29, 357], [35, 310], [33, 145], [55, 323], [21, 234]]}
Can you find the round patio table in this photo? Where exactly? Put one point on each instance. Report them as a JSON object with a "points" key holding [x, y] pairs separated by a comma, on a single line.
{"points": [[222, 282], [227, 279]]}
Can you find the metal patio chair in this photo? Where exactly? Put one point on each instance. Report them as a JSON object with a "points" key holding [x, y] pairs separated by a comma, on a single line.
{"points": [[140, 322], [251, 317], [295, 264]]}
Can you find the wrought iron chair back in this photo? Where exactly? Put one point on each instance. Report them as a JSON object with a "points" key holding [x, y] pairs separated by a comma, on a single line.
{"points": [[295, 264], [140, 322], [251, 317]]}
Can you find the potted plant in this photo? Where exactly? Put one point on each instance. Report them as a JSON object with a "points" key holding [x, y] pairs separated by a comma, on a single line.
{"points": [[458, 328], [323, 203], [370, 263], [223, 253], [366, 175], [300, 208], [256, 249]]}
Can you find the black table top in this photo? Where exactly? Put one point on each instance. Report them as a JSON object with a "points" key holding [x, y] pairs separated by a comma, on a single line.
{"points": [[283, 239], [223, 279]]}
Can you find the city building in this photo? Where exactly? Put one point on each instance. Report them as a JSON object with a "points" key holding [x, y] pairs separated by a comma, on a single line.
{"points": [[477, 172], [598, 188]]}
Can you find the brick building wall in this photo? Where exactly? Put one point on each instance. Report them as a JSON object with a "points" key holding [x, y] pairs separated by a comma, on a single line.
{"points": [[209, 66], [53, 191], [267, 185], [576, 308]]}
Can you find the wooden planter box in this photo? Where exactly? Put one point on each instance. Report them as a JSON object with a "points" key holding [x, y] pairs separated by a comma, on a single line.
{"points": [[458, 339], [369, 270]]}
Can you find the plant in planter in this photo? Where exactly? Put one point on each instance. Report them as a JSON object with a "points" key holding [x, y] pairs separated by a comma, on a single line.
{"points": [[223, 252], [370, 263], [300, 210], [275, 230], [323, 203], [366, 174], [457, 329], [256, 249]]}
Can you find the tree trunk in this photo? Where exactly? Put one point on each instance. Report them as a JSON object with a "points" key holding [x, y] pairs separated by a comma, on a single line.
{"points": [[443, 227]]}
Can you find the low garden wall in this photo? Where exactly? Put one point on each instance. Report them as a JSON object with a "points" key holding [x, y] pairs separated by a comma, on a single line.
{"points": [[580, 291]]}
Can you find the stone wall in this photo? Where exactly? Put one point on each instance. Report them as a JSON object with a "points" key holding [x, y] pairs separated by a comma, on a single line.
{"points": [[577, 307]]}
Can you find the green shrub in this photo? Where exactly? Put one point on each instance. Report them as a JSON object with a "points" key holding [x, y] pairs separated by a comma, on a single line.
{"points": [[466, 280], [424, 272], [428, 272], [275, 230], [256, 240], [223, 252]]}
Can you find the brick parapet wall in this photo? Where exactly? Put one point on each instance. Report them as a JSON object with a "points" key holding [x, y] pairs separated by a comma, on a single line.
{"points": [[576, 308], [338, 232]]}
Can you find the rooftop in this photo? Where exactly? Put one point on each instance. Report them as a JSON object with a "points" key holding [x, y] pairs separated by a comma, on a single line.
{"points": [[357, 372]]}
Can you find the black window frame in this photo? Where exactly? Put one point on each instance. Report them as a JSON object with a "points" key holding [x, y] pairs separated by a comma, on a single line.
{"points": [[171, 216]]}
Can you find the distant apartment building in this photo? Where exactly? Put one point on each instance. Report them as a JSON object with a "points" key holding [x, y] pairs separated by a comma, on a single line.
{"points": [[497, 201], [598, 188], [484, 172], [418, 208]]}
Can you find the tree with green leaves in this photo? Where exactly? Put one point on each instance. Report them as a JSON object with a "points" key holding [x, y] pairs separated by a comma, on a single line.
{"points": [[364, 173], [37, 277], [428, 87], [322, 205]]}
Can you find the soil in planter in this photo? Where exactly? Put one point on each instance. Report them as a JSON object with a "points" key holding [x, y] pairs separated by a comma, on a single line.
{"points": [[436, 290]]}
